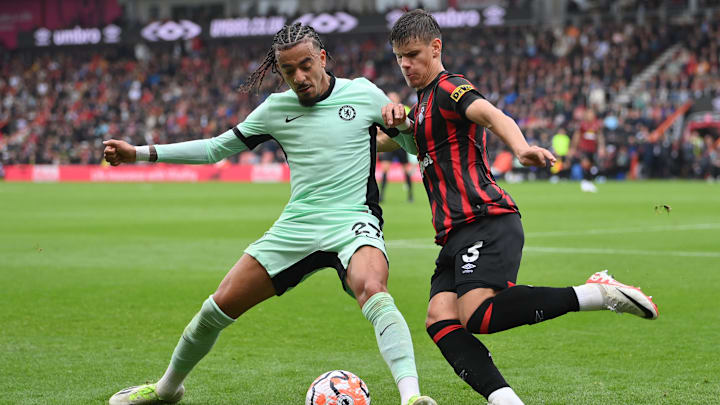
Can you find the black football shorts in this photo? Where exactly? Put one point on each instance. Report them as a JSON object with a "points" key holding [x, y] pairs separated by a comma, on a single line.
{"points": [[482, 254]]}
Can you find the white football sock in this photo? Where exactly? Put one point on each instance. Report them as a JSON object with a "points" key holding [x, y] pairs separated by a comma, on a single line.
{"points": [[408, 387], [169, 381], [504, 396], [590, 297], [393, 339]]}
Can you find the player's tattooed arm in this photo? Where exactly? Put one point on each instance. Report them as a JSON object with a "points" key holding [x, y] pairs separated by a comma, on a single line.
{"points": [[483, 113]]}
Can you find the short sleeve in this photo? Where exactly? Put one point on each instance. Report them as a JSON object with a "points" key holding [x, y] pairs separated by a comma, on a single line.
{"points": [[378, 99], [457, 95], [255, 130]]}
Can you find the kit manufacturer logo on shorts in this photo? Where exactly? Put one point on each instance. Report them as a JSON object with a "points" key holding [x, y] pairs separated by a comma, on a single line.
{"points": [[468, 268], [347, 112]]}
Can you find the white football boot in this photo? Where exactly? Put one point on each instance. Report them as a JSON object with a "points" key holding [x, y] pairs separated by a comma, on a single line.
{"points": [[623, 298], [144, 395]]}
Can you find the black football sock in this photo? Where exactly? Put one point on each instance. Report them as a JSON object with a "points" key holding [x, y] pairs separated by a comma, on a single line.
{"points": [[408, 182], [521, 305], [470, 359]]}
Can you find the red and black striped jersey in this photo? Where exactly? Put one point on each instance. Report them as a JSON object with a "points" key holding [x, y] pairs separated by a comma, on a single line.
{"points": [[453, 157]]}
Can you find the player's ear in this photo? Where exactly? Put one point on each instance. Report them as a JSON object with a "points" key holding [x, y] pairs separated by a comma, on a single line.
{"points": [[436, 45], [323, 58]]}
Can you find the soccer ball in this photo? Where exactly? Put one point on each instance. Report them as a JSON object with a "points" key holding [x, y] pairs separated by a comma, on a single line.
{"points": [[338, 387]]}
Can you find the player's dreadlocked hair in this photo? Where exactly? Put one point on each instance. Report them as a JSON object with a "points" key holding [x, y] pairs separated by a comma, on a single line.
{"points": [[286, 38], [415, 24]]}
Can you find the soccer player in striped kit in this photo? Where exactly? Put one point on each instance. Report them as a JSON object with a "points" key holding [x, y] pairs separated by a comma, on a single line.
{"points": [[477, 223]]}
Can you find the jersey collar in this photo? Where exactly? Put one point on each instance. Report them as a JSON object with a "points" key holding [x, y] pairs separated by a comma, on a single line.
{"points": [[329, 90], [432, 83]]}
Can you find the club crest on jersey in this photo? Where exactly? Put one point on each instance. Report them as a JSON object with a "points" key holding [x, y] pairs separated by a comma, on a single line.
{"points": [[347, 112], [460, 90], [421, 114]]}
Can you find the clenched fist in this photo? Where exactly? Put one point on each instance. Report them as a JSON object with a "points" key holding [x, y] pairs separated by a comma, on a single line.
{"points": [[117, 152]]}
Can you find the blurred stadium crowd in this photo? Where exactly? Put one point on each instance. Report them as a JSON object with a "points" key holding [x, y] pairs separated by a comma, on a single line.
{"points": [[56, 106]]}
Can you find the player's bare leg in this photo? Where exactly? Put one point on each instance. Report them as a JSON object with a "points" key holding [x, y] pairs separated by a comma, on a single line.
{"points": [[367, 277], [245, 285]]}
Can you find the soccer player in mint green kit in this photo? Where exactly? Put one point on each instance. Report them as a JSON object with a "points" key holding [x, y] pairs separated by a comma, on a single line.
{"points": [[326, 127]]}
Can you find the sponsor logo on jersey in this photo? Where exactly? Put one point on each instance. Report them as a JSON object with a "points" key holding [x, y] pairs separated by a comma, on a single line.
{"points": [[427, 161], [347, 112], [459, 91]]}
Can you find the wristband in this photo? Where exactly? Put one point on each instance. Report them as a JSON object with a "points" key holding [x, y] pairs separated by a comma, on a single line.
{"points": [[146, 153], [142, 153], [405, 126]]}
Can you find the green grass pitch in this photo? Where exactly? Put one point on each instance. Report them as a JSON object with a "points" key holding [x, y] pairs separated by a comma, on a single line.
{"points": [[99, 280]]}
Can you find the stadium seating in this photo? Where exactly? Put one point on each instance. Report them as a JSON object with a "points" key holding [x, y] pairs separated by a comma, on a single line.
{"points": [[58, 106]]}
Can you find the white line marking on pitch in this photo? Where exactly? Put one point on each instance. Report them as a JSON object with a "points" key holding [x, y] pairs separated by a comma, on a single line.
{"points": [[692, 227], [689, 227], [541, 249], [410, 244]]}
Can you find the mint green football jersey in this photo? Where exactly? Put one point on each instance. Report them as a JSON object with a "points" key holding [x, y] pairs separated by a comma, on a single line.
{"points": [[329, 146]]}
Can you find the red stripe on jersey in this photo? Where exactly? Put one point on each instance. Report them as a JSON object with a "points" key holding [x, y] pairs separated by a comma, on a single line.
{"points": [[449, 114], [472, 164], [444, 331], [449, 87], [486, 320], [436, 166], [458, 168], [493, 209]]}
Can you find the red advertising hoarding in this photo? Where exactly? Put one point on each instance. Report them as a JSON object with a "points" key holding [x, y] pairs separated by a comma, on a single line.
{"points": [[265, 173]]}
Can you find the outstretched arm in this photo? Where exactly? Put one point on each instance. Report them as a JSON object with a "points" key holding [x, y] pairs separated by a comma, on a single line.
{"points": [[483, 113], [193, 152]]}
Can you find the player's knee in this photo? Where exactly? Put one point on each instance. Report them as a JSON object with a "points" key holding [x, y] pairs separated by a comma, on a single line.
{"points": [[437, 314], [478, 321], [473, 302], [367, 289], [434, 316]]}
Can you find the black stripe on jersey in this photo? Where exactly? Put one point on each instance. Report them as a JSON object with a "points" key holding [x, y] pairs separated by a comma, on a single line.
{"points": [[294, 274], [254, 140], [391, 132], [372, 197], [480, 169]]}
